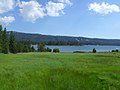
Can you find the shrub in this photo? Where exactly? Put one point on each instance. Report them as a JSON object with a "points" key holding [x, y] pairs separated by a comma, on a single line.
{"points": [[48, 49], [117, 50], [113, 50], [78, 52], [56, 50]]}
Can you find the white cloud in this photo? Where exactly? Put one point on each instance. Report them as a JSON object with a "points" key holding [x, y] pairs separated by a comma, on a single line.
{"points": [[104, 8], [68, 2], [54, 9], [31, 11], [6, 20], [6, 5]]}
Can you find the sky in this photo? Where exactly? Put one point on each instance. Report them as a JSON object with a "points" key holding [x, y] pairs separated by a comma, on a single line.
{"points": [[86, 18]]}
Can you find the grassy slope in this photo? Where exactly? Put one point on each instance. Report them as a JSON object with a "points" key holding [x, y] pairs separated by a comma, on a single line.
{"points": [[60, 71]]}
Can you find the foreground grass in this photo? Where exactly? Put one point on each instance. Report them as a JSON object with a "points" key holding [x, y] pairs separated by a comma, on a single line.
{"points": [[60, 71]]}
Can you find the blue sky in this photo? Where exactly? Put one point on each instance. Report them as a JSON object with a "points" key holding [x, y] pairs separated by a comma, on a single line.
{"points": [[88, 18]]}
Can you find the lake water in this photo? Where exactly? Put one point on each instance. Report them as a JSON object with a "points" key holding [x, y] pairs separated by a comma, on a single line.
{"points": [[85, 48]]}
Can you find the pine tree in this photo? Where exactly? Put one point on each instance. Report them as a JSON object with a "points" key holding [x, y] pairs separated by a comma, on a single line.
{"points": [[4, 42], [94, 50], [12, 43], [0, 38]]}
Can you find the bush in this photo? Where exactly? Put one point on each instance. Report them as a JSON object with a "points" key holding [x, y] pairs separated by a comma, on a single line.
{"points": [[56, 50], [78, 52], [115, 50], [94, 50], [48, 49]]}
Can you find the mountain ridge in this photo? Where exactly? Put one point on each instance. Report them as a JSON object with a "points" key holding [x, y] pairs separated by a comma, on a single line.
{"points": [[21, 36]]}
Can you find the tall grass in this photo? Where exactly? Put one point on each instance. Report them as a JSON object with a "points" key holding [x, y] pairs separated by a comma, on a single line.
{"points": [[60, 71]]}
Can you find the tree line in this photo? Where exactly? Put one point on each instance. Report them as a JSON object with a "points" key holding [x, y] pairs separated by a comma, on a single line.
{"points": [[8, 44], [70, 43]]}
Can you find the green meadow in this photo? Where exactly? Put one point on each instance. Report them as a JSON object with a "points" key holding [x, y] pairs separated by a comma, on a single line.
{"points": [[60, 71]]}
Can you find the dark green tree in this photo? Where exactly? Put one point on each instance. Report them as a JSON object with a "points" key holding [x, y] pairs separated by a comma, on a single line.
{"points": [[19, 47], [94, 50], [12, 43], [4, 42], [1, 38], [48, 49], [1, 28], [32, 49], [25, 49], [41, 47]]}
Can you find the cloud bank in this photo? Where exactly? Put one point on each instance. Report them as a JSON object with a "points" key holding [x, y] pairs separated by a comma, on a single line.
{"points": [[103, 8], [32, 10]]}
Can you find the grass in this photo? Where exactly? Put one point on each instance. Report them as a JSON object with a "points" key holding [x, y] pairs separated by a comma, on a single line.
{"points": [[60, 71]]}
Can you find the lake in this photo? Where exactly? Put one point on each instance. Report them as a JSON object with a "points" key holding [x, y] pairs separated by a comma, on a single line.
{"points": [[85, 48]]}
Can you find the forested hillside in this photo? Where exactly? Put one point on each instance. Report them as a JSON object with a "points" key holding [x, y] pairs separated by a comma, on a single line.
{"points": [[64, 40]]}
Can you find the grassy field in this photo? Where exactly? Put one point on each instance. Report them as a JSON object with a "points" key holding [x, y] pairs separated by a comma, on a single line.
{"points": [[60, 71]]}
